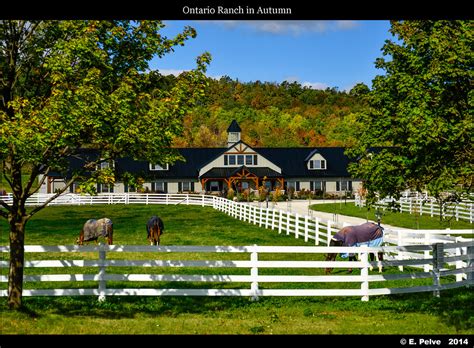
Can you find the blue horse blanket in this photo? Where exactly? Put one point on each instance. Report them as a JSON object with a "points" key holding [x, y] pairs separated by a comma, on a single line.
{"points": [[367, 234]]}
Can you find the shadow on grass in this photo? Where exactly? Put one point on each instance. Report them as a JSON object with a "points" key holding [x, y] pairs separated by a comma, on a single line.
{"points": [[128, 306], [453, 308]]}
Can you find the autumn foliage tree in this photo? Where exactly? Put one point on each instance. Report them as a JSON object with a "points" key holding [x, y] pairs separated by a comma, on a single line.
{"points": [[66, 85], [421, 111]]}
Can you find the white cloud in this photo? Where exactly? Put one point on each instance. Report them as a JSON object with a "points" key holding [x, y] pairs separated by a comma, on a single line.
{"points": [[312, 85], [294, 27], [315, 85], [174, 72]]}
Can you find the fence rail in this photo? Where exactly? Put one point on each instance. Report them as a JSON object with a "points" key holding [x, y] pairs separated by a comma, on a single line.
{"points": [[424, 205], [105, 272], [403, 248]]}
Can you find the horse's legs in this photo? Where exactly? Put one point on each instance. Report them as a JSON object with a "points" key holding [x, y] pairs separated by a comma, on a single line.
{"points": [[380, 258], [351, 258], [330, 257]]}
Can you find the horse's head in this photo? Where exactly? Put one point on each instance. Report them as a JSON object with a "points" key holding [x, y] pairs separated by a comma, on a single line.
{"points": [[332, 256]]}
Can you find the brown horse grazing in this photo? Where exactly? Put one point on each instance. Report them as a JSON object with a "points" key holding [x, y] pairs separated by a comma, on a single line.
{"points": [[368, 234], [154, 229], [93, 229]]}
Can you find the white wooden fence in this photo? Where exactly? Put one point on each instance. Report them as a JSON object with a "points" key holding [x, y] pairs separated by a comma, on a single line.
{"points": [[402, 247], [424, 205], [257, 271]]}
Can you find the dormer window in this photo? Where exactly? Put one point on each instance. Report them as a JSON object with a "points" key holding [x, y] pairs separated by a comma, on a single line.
{"points": [[317, 164], [106, 164], [154, 167]]}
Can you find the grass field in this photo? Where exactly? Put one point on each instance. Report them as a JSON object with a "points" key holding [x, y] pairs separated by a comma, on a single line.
{"points": [[405, 220], [421, 313]]}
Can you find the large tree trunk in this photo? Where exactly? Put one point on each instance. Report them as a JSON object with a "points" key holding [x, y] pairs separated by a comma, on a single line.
{"points": [[17, 261]]}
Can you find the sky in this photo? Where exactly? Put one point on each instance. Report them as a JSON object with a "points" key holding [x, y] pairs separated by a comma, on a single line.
{"points": [[316, 53]]}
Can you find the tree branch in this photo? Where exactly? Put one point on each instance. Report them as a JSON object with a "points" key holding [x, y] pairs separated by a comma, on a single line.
{"points": [[56, 195]]}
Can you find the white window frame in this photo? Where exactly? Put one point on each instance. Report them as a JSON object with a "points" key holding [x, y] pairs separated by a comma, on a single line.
{"points": [[105, 165], [240, 160], [157, 167], [317, 164], [234, 137], [162, 183], [247, 162], [231, 158], [109, 188], [320, 182], [188, 183]]}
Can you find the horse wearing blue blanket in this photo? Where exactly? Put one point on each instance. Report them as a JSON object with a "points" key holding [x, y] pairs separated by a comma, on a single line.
{"points": [[368, 234]]}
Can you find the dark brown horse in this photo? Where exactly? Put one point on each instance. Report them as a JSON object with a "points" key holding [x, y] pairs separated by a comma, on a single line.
{"points": [[93, 229], [368, 234], [154, 229]]}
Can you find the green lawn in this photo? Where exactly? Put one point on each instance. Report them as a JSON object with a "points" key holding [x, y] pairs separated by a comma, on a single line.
{"points": [[421, 313], [405, 220]]}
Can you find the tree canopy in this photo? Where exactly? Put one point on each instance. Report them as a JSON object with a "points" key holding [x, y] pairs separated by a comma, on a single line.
{"points": [[67, 85], [421, 111]]}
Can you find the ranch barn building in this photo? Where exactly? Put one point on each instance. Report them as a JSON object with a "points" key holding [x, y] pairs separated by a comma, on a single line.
{"points": [[238, 166]]}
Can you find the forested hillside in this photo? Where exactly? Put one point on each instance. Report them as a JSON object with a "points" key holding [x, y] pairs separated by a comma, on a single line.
{"points": [[273, 115]]}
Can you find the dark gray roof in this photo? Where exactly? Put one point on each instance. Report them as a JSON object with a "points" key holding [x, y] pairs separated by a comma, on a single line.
{"points": [[234, 127], [226, 172], [293, 161], [195, 159]]}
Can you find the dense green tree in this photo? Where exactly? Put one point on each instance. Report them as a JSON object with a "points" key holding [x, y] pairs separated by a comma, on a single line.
{"points": [[422, 110], [66, 85]]}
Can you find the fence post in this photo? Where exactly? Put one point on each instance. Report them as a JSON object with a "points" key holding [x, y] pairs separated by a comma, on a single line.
{"points": [[364, 275], [459, 262], [426, 253], [273, 218], [438, 261], [102, 283], [400, 255], [316, 232], [254, 272], [280, 221], [329, 236], [266, 217], [306, 227], [470, 266], [470, 213], [297, 225]]}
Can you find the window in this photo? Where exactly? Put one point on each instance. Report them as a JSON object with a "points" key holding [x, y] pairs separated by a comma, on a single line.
{"points": [[158, 167], [233, 137], [344, 185], [293, 184], [158, 186], [214, 186], [232, 160], [248, 160], [317, 164], [186, 186], [105, 188], [317, 185], [105, 165]]}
